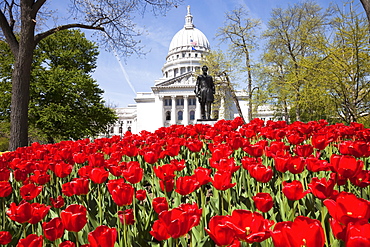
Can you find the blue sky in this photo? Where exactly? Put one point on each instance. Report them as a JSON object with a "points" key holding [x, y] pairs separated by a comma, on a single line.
{"points": [[208, 16]]}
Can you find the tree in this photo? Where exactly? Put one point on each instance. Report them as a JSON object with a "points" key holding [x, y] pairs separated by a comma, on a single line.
{"points": [[240, 32], [65, 102], [348, 66], [292, 54], [113, 18]]}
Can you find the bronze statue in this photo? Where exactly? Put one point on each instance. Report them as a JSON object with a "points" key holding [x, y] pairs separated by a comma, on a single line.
{"points": [[204, 90]]}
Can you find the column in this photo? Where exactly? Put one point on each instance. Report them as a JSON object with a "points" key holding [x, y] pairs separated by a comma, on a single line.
{"points": [[186, 110], [173, 110], [197, 110], [221, 111], [163, 118]]}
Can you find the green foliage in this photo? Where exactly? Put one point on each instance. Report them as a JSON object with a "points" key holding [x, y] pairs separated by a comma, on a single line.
{"points": [[65, 102]]}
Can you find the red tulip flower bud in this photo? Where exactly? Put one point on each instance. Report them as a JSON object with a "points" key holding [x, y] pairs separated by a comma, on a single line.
{"points": [[31, 240], [53, 229], [74, 217], [102, 236], [263, 202], [5, 237]]}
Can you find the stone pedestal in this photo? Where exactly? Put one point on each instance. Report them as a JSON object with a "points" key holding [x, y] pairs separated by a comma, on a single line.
{"points": [[206, 121]]}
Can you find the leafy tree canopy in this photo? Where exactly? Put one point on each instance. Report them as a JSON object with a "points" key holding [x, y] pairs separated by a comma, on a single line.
{"points": [[65, 102]]}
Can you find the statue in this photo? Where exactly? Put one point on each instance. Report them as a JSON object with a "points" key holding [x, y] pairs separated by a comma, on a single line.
{"points": [[204, 90]]}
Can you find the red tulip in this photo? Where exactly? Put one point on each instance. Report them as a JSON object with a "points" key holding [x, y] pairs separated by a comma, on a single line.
{"points": [[79, 158], [348, 208], [250, 226], [314, 164], [133, 173], [127, 216], [281, 163], [263, 202], [122, 193], [202, 175], [303, 231], [4, 174], [167, 185], [57, 203], [165, 172], [320, 140], [67, 244], [358, 234], [96, 159], [295, 138], [21, 213], [99, 175], [38, 211], [261, 173], [150, 156], [160, 204], [5, 237], [61, 169], [361, 179], [322, 188], [355, 148], [78, 186], [30, 191], [40, 177], [74, 217], [194, 145], [31, 240], [221, 180], [102, 236], [141, 195], [345, 165], [220, 231], [176, 222], [186, 185], [256, 150], [304, 150], [53, 229], [294, 190], [296, 164], [5, 188]]}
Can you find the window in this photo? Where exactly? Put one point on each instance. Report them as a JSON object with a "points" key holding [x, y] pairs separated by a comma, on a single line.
{"points": [[180, 101], [167, 102], [192, 101], [179, 115], [192, 115], [168, 115], [111, 129], [196, 54], [120, 130], [183, 55]]}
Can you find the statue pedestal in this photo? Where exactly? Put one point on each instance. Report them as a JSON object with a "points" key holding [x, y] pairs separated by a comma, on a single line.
{"points": [[206, 121]]}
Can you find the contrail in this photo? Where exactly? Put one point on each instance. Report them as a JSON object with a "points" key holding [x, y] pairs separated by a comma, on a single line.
{"points": [[124, 72]]}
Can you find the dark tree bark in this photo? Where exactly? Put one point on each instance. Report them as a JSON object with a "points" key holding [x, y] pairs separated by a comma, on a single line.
{"points": [[366, 5]]}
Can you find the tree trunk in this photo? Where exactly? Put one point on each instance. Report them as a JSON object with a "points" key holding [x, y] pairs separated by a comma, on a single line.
{"points": [[21, 79], [366, 5], [233, 95]]}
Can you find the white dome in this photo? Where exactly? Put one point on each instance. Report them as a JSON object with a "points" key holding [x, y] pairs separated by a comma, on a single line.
{"points": [[189, 37]]}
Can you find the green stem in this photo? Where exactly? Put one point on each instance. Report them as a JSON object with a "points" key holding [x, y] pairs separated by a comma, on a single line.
{"points": [[3, 212], [100, 207], [77, 242]]}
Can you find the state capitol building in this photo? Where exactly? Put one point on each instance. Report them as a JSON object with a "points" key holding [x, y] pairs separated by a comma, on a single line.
{"points": [[172, 99]]}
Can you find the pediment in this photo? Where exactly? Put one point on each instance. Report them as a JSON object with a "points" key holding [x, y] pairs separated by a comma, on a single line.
{"points": [[184, 80]]}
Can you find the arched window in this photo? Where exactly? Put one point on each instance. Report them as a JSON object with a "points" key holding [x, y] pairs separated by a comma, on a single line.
{"points": [[179, 115], [111, 129], [168, 115], [192, 115]]}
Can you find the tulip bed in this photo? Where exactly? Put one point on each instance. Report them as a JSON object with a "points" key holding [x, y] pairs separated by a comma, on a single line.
{"points": [[231, 184]]}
